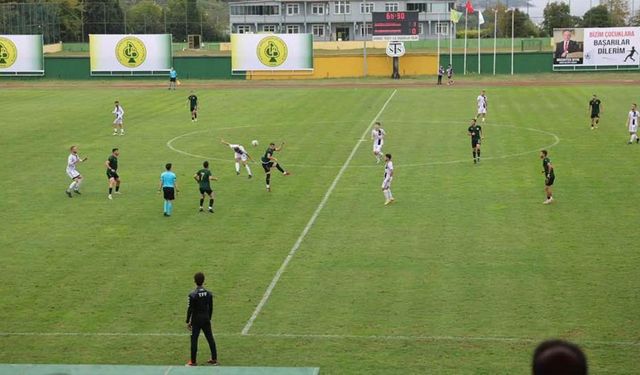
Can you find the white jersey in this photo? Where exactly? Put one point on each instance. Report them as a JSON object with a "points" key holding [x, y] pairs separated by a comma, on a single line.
{"points": [[118, 111], [633, 121], [72, 160], [378, 139], [388, 175], [482, 104], [240, 152]]}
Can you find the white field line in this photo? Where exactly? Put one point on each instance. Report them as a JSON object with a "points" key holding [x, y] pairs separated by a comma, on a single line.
{"points": [[417, 338], [312, 221]]}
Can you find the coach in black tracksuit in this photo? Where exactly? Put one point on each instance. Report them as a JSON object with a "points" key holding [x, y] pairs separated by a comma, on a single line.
{"points": [[199, 315]]}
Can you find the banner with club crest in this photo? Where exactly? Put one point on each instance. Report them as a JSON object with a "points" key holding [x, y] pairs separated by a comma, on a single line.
{"points": [[255, 52], [21, 55], [135, 54]]}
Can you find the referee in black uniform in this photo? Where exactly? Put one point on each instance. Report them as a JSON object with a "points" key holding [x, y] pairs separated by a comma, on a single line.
{"points": [[199, 319]]}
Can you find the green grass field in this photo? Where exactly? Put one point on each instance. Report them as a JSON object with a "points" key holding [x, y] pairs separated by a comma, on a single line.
{"points": [[464, 274]]}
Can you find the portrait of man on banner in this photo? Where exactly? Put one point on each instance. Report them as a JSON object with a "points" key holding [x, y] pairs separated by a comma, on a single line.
{"points": [[569, 45]]}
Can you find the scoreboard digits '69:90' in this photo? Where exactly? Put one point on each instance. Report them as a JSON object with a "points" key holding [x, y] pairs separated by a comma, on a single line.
{"points": [[395, 25]]}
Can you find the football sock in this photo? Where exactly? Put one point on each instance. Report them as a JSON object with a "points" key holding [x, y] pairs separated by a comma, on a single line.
{"points": [[165, 209], [268, 178], [201, 202], [72, 185], [117, 188], [237, 167], [478, 152], [110, 190], [279, 168], [248, 169], [390, 194], [169, 207], [78, 182], [210, 203], [474, 154]]}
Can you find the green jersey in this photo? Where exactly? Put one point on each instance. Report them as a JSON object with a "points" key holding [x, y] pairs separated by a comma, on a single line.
{"points": [[595, 105], [547, 170], [193, 100], [113, 162], [474, 131], [203, 178], [267, 155]]}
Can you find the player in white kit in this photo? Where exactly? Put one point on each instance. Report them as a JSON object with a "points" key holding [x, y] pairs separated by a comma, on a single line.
{"points": [[377, 135], [118, 123], [482, 105], [72, 172], [241, 156], [386, 182], [632, 123]]}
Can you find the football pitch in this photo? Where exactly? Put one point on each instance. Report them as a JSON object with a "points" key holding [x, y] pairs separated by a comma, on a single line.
{"points": [[464, 274]]}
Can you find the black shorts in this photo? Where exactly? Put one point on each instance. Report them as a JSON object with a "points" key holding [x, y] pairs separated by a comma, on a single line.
{"points": [[172, 79], [193, 108], [113, 174], [267, 166], [595, 115], [475, 142], [549, 181], [207, 191], [169, 193]]}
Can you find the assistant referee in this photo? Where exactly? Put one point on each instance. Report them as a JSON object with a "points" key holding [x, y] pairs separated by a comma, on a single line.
{"points": [[199, 315]]}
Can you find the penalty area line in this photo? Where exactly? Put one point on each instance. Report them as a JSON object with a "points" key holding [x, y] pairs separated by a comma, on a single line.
{"points": [[312, 220]]}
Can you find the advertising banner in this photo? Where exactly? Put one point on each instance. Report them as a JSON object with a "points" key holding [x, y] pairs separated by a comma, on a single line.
{"points": [[597, 47], [130, 54], [21, 55], [271, 52]]}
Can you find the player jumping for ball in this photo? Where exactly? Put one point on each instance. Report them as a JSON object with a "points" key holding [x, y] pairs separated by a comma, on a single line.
{"points": [[475, 132], [241, 156], [268, 162], [377, 135]]}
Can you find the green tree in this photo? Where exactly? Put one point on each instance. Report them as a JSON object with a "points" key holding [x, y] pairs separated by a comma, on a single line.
{"points": [[597, 17], [70, 19], [618, 11], [635, 20], [103, 16], [557, 15], [145, 17]]}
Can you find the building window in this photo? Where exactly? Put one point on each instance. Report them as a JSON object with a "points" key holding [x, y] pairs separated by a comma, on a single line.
{"points": [[269, 28], [243, 29], [254, 10], [391, 7], [367, 30], [442, 28], [366, 8], [419, 7], [293, 9], [317, 9], [439, 8], [293, 29], [318, 31], [420, 28], [341, 7]]}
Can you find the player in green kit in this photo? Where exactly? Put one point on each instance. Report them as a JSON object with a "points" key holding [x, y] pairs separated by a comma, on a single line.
{"points": [[549, 175], [204, 178], [112, 172], [193, 105], [595, 106], [269, 161], [475, 132]]}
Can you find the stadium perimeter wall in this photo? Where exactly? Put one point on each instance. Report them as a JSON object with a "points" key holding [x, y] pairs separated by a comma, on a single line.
{"points": [[334, 66]]}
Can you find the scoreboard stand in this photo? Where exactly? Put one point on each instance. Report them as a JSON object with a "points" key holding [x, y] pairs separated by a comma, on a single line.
{"points": [[395, 27]]}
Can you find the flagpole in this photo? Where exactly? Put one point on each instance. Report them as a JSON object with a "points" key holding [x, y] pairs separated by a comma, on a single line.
{"points": [[450, 42], [438, 32], [495, 31], [466, 16], [513, 15], [479, 68]]}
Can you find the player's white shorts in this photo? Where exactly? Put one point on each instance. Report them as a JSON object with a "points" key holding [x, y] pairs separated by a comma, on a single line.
{"points": [[118, 121], [482, 110], [72, 173], [633, 128], [386, 184], [377, 148], [242, 157]]}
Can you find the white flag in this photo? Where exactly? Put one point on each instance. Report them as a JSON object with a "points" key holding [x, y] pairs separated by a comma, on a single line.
{"points": [[480, 18]]}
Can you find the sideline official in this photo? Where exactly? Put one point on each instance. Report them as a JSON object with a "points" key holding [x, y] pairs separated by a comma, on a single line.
{"points": [[199, 315]]}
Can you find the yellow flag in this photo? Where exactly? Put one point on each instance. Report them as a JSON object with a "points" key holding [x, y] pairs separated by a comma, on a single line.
{"points": [[455, 16]]}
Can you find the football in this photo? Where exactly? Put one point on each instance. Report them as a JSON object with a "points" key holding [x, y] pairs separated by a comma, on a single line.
{"points": [[254, 142]]}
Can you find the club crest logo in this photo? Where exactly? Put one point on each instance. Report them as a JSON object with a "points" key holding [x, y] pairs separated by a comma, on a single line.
{"points": [[8, 53], [272, 51], [131, 52]]}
